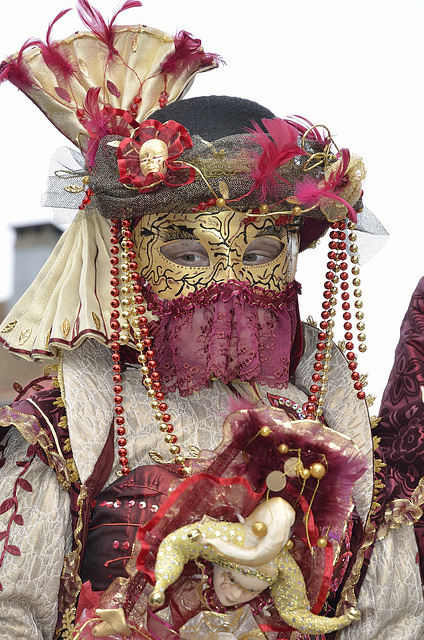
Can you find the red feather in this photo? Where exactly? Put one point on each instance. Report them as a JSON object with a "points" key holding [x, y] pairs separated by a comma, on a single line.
{"points": [[188, 50], [278, 148], [16, 70], [54, 54], [93, 20]]}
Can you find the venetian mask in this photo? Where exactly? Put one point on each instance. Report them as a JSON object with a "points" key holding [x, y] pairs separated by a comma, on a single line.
{"points": [[183, 253], [153, 154]]}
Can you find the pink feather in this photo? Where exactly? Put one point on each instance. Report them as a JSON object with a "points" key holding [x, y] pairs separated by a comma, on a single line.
{"points": [[16, 70], [100, 121], [93, 20], [278, 148], [188, 50], [54, 54], [312, 193]]}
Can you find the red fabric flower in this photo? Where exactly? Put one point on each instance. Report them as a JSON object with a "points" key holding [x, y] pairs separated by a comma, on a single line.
{"points": [[145, 166]]}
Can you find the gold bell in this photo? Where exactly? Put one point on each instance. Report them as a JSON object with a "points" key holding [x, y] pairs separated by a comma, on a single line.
{"points": [[156, 599], [193, 535]]}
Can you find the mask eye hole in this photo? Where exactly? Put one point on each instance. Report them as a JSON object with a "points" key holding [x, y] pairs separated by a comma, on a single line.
{"points": [[185, 252], [262, 250]]}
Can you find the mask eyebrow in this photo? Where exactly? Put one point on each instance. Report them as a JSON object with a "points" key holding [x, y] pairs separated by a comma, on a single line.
{"points": [[271, 230], [177, 232]]}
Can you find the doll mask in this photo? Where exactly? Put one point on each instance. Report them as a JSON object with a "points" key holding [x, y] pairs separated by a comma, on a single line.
{"points": [[232, 587]]}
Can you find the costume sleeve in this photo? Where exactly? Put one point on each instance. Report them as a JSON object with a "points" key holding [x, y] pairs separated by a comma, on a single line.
{"points": [[35, 535], [391, 599]]}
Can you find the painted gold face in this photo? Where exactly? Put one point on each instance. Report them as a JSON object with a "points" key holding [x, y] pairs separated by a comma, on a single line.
{"points": [[183, 253]]}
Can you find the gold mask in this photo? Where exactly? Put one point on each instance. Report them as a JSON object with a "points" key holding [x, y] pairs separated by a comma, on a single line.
{"points": [[182, 253]]}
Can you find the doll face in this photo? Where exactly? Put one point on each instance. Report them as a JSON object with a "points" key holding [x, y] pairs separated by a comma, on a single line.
{"points": [[181, 253], [232, 587], [153, 154]]}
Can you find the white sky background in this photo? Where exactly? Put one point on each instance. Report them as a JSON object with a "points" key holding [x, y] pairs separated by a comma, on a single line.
{"points": [[355, 66]]}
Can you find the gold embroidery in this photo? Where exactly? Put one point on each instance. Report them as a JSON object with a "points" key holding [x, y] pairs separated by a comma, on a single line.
{"points": [[156, 457], [24, 336], [8, 328], [370, 400], [403, 511], [134, 43], [83, 68], [223, 188], [311, 321], [66, 327], [59, 402], [73, 188], [48, 334], [96, 320], [68, 627], [72, 470], [63, 423], [70, 573], [194, 451]]}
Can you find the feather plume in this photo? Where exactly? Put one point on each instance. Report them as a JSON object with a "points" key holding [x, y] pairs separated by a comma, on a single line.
{"points": [[54, 54], [188, 50], [16, 69], [93, 20], [314, 193], [303, 125], [279, 146], [100, 121]]}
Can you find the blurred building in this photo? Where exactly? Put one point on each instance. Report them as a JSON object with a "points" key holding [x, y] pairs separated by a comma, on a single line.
{"points": [[33, 245]]}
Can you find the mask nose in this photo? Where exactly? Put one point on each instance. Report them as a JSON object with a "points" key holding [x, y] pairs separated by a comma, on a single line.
{"points": [[229, 266], [235, 592]]}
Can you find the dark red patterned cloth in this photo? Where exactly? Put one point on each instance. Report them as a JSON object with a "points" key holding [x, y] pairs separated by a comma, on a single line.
{"points": [[401, 428]]}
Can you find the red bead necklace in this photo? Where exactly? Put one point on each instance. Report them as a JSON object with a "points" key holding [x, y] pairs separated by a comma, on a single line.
{"points": [[128, 321], [337, 272]]}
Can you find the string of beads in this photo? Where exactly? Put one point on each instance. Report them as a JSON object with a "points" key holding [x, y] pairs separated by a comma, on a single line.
{"points": [[128, 321], [337, 273]]}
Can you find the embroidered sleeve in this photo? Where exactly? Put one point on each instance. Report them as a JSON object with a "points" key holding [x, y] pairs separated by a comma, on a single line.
{"points": [[35, 534]]}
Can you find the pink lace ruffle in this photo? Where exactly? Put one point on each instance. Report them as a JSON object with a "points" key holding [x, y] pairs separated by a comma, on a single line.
{"points": [[227, 331]]}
